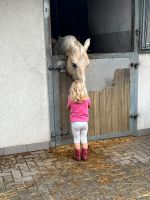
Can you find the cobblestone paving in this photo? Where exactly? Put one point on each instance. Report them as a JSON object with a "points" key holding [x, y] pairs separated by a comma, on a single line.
{"points": [[117, 169]]}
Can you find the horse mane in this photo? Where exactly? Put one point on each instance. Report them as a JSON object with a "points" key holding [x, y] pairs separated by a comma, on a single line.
{"points": [[66, 43]]}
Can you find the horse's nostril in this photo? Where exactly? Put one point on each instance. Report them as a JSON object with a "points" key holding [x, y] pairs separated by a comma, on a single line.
{"points": [[74, 65]]}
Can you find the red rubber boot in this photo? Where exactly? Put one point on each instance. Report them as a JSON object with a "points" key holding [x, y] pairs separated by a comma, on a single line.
{"points": [[77, 155], [84, 154]]}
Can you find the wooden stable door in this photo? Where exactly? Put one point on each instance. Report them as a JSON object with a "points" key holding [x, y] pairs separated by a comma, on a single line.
{"points": [[109, 112], [110, 106]]}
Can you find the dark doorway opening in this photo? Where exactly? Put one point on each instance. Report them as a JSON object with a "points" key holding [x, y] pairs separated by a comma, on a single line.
{"points": [[109, 23]]}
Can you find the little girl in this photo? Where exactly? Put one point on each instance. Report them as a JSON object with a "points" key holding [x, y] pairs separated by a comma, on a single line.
{"points": [[78, 104]]}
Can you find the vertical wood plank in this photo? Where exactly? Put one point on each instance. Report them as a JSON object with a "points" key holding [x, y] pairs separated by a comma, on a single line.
{"points": [[96, 113], [100, 112], [115, 112], [120, 102], [108, 110], [63, 101], [103, 111], [69, 81], [91, 115], [127, 98], [123, 98]]}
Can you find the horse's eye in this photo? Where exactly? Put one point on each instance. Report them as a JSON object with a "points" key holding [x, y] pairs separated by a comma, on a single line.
{"points": [[74, 65]]}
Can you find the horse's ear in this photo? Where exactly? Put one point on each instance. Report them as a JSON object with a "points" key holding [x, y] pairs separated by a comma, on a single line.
{"points": [[87, 44]]}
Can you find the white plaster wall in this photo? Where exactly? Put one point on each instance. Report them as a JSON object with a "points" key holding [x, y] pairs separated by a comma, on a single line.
{"points": [[144, 92], [24, 115]]}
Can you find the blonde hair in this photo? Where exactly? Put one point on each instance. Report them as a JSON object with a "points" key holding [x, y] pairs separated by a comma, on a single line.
{"points": [[78, 91]]}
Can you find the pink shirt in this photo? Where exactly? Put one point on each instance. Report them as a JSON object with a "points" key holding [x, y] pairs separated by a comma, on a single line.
{"points": [[79, 110]]}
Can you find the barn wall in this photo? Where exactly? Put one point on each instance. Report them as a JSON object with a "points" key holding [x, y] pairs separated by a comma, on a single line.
{"points": [[24, 115], [144, 92]]}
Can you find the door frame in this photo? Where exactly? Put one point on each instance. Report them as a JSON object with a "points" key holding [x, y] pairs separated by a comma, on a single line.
{"points": [[53, 76]]}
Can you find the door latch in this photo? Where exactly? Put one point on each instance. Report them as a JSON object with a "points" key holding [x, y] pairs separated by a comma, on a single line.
{"points": [[59, 68]]}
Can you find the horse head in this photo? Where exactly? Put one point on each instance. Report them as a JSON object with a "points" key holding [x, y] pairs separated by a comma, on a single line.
{"points": [[77, 57]]}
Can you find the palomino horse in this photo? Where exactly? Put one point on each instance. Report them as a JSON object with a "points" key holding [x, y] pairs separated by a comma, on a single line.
{"points": [[77, 60]]}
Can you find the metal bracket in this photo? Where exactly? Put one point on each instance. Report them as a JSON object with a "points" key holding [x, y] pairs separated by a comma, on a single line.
{"points": [[134, 65], [59, 68], [138, 32], [134, 116], [47, 9]]}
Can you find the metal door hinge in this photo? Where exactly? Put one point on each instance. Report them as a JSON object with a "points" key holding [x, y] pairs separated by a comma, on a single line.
{"points": [[135, 65], [134, 116], [138, 32], [59, 68]]}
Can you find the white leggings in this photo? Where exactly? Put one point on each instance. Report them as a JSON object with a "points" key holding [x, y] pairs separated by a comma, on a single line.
{"points": [[79, 131]]}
